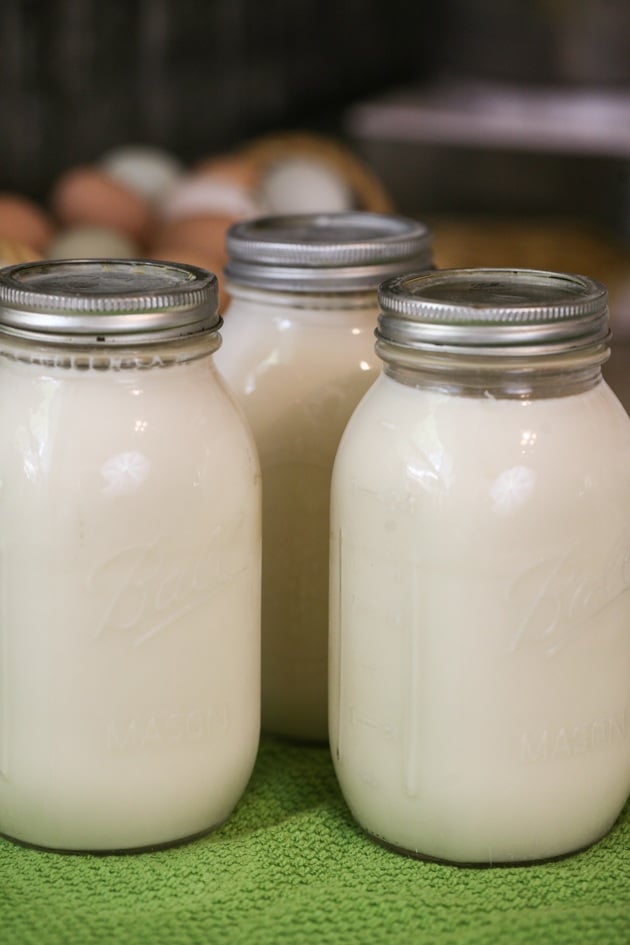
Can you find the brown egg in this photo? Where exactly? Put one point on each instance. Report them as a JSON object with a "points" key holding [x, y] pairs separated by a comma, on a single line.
{"points": [[205, 233], [11, 252], [23, 220], [87, 195], [194, 256]]}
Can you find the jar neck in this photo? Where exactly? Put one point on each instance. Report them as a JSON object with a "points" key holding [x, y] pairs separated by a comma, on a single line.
{"points": [[313, 301], [503, 377], [56, 354]]}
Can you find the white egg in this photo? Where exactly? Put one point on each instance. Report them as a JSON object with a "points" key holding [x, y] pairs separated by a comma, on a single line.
{"points": [[203, 194], [146, 170], [91, 242], [304, 185]]}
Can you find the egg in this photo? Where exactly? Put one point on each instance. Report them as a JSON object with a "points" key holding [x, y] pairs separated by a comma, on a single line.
{"points": [[90, 242], [203, 194], [24, 220], [205, 233], [146, 170], [301, 171], [11, 252], [304, 185], [87, 195]]}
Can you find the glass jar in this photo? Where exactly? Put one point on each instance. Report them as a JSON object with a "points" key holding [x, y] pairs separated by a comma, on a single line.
{"points": [[301, 354], [130, 549], [480, 568]]}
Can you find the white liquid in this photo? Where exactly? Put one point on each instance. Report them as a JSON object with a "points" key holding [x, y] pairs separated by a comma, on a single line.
{"points": [[299, 373], [129, 630], [480, 621]]}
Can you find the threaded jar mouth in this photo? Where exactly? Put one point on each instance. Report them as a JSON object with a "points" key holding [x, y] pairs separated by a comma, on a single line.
{"points": [[325, 252], [107, 301], [493, 312]]}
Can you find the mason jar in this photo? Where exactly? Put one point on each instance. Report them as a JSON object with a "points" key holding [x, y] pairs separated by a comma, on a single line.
{"points": [[130, 558], [480, 573], [300, 354]]}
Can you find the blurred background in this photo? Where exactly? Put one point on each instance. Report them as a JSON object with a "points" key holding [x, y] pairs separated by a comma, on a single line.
{"points": [[505, 124], [196, 76]]}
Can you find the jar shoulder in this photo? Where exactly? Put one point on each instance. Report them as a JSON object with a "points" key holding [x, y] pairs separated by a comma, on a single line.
{"points": [[61, 425], [398, 431]]}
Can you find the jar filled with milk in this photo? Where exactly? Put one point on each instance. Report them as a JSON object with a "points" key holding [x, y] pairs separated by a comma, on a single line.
{"points": [[130, 559], [480, 573], [300, 356]]}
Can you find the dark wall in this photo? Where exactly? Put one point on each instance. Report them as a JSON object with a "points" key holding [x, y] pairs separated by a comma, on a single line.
{"points": [[575, 42], [196, 76]]}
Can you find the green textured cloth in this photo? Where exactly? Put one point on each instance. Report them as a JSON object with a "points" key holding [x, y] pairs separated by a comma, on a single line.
{"points": [[291, 867]]}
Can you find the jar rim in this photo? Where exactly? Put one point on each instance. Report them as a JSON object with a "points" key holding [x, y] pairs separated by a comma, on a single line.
{"points": [[493, 310], [325, 252], [117, 301]]}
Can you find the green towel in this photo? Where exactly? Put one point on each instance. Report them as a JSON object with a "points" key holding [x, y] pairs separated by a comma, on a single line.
{"points": [[290, 867]]}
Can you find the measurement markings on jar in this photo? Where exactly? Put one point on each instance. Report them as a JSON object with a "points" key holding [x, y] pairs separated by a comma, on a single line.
{"points": [[339, 647], [413, 684], [388, 729]]}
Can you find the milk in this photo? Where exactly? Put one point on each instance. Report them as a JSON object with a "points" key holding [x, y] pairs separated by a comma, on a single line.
{"points": [[298, 366], [480, 621], [130, 561], [299, 356]]}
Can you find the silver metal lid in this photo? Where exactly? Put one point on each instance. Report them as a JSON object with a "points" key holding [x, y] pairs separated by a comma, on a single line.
{"points": [[493, 311], [325, 252], [113, 301]]}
